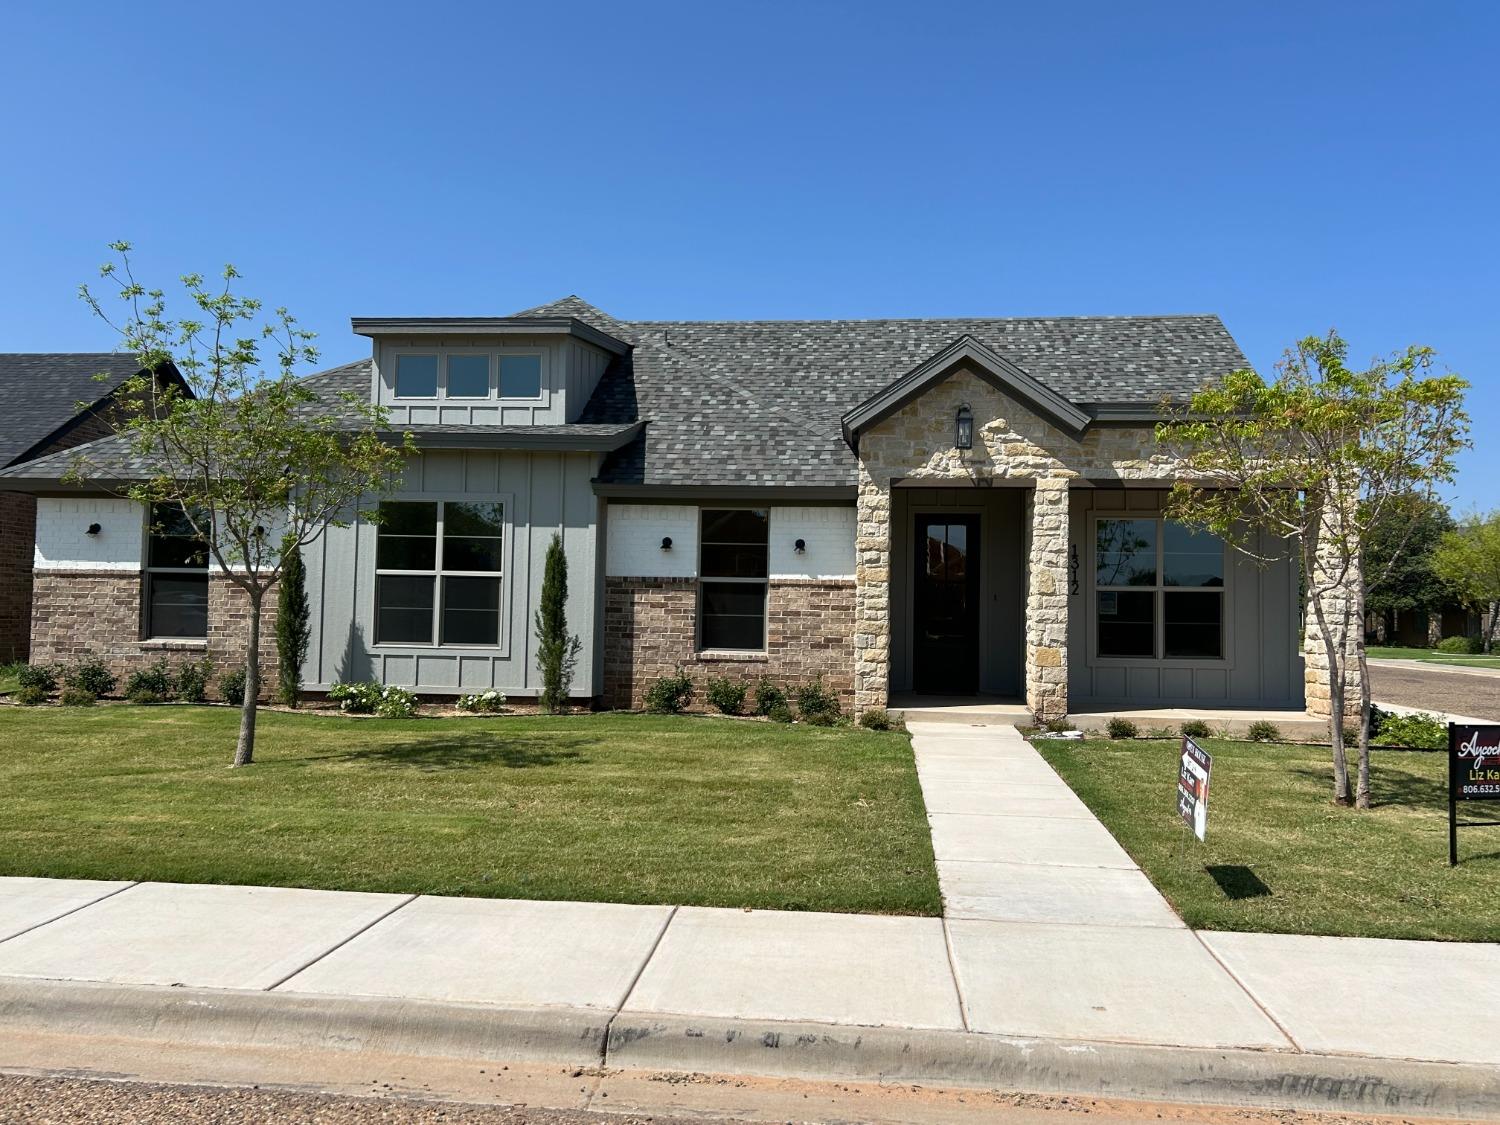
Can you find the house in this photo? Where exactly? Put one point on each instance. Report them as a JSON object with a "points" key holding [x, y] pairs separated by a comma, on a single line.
{"points": [[938, 507], [48, 402]]}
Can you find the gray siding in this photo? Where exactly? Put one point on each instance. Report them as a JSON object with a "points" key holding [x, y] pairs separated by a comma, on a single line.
{"points": [[1262, 665], [543, 493]]}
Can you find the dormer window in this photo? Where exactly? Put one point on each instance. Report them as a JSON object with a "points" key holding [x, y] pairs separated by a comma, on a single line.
{"points": [[468, 376], [520, 376], [416, 376]]}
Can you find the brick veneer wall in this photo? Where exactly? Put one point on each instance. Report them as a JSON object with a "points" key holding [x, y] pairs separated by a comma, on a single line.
{"points": [[650, 631], [97, 613], [17, 532]]}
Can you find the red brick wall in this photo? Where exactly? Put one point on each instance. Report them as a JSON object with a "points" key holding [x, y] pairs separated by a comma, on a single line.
{"points": [[650, 631], [97, 613]]}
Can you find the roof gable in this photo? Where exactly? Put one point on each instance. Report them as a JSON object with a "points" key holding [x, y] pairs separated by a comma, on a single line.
{"points": [[40, 393]]}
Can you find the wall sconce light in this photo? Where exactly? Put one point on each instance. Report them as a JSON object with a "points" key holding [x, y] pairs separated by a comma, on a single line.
{"points": [[963, 429], [800, 546], [666, 542], [93, 529]]}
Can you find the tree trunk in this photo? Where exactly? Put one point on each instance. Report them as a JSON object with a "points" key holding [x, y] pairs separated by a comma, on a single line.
{"points": [[244, 751], [1334, 653], [1489, 632], [1362, 789]]}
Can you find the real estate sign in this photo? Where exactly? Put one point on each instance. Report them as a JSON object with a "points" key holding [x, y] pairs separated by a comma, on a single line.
{"points": [[1192, 786], [1473, 775]]}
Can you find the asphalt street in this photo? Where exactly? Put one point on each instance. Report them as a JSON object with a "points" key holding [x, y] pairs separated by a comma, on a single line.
{"points": [[1455, 691]]}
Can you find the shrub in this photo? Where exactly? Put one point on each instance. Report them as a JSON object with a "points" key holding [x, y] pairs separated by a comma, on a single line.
{"points": [[1263, 730], [727, 695], [876, 718], [817, 705], [192, 681], [1467, 645], [482, 703], [1195, 728], [30, 695], [369, 698], [43, 677], [92, 676], [232, 686], [779, 712], [670, 694], [556, 649], [152, 684], [768, 697], [77, 697], [1418, 732], [1057, 726], [1121, 728], [396, 703], [293, 628]]}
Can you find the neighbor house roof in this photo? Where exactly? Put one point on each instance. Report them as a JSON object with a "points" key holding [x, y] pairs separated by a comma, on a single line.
{"points": [[40, 393]]}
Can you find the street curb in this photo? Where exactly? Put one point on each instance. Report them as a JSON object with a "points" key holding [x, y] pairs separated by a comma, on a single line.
{"points": [[589, 1038]]}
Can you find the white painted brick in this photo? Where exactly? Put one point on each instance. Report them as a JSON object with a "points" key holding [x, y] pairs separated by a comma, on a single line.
{"points": [[634, 534], [828, 533], [63, 542]]}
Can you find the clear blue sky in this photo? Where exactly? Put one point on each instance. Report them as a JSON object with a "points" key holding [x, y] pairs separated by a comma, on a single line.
{"points": [[1289, 166]]}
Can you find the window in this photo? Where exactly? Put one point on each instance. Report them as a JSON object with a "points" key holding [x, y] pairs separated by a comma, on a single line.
{"points": [[438, 565], [176, 576], [732, 567], [416, 376], [468, 376], [1159, 590], [520, 376]]}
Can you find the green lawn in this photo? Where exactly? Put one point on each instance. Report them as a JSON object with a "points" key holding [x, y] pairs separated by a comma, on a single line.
{"points": [[618, 808], [1431, 656], [1324, 870]]}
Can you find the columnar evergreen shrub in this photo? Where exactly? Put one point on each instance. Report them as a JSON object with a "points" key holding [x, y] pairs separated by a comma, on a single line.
{"points": [[556, 651], [293, 627]]}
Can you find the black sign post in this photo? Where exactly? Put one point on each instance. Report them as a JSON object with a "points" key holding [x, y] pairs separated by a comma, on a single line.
{"points": [[1473, 775]]}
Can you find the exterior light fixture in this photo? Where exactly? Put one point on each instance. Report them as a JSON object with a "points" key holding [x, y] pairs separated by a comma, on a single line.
{"points": [[93, 529], [963, 429], [666, 542], [800, 546]]}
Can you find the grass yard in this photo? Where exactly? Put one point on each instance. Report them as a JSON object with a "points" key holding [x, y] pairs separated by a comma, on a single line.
{"points": [[1286, 859], [616, 808], [1432, 656]]}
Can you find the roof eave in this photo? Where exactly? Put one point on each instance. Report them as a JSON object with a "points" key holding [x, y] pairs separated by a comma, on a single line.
{"points": [[377, 327], [560, 442]]}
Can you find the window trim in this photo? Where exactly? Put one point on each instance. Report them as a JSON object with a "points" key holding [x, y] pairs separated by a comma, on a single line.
{"points": [[1224, 661], [148, 573], [765, 624], [507, 560]]}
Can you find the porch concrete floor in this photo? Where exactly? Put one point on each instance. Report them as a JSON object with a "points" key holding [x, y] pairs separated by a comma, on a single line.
{"points": [[983, 710]]}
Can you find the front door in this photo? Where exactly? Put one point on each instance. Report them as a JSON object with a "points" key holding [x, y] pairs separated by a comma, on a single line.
{"points": [[945, 604]]}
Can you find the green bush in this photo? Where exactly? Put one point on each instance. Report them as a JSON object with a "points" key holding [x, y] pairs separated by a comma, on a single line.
{"points": [[369, 698], [90, 675], [43, 677], [232, 687], [1263, 731], [670, 694], [30, 695], [1471, 646], [152, 684], [1418, 732], [817, 705], [192, 681], [482, 703], [1056, 726], [768, 697], [77, 697], [1195, 728], [876, 718], [727, 695], [779, 713], [1122, 728]]}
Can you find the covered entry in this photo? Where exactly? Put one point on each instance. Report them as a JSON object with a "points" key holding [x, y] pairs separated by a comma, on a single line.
{"points": [[957, 590]]}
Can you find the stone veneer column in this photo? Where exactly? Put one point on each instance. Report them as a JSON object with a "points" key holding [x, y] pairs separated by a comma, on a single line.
{"points": [[872, 593], [1047, 601], [1340, 605]]}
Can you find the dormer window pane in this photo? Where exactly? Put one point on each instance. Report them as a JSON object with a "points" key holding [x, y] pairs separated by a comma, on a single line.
{"points": [[468, 376], [416, 376], [520, 376]]}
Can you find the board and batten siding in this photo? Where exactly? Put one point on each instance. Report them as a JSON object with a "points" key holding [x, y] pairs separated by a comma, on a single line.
{"points": [[543, 493], [1262, 666], [635, 534]]}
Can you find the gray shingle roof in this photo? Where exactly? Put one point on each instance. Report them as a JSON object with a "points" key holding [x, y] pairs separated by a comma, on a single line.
{"points": [[760, 402], [40, 393]]}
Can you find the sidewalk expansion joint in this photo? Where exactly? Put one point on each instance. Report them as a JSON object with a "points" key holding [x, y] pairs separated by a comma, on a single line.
{"points": [[340, 944], [70, 913], [630, 988], [1245, 988], [963, 1005]]}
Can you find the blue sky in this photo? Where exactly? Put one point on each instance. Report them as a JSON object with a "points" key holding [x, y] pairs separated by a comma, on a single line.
{"points": [[1289, 166]]}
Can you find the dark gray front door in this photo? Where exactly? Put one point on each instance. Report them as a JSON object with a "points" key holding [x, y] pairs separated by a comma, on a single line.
{"points": [[945, 605]]}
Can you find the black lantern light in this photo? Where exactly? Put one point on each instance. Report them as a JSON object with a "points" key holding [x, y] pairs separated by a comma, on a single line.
{"points": [[800, 546], [666, 542], [963, 429]]}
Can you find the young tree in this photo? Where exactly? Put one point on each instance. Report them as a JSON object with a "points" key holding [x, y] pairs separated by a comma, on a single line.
{"points": [[293, 627], [1316, 458], [255, 463], [1400, 545], [556, 651], [1468, 557]]}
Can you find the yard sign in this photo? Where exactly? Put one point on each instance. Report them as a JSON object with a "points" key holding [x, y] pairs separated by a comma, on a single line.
{"points": [[1192, 786], [1473, 775]]}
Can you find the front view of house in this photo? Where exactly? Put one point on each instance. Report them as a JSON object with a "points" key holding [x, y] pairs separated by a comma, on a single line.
{"points": [[898, 507]]}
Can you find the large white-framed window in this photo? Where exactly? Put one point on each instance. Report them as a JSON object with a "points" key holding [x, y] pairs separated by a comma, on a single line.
{"points": [[439, 566], [1158, 590], [733, 579], [176, 587]]}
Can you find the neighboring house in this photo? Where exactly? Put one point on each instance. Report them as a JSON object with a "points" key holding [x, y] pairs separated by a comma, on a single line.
{"points": [[48, 402], [893, 506]]}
